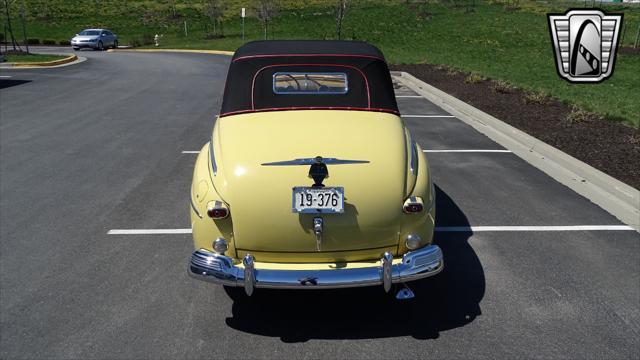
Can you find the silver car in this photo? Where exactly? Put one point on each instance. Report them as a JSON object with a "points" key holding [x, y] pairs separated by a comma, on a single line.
{"points": [[97, 39]]}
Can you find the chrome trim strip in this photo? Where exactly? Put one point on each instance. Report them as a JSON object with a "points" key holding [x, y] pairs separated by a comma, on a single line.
{"points": [[214, 166], [414, 157], [313, 160], [193, 206], [218, 269]]}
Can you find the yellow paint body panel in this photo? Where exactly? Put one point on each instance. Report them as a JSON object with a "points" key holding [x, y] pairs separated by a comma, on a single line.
{"points": [[259, 197]]}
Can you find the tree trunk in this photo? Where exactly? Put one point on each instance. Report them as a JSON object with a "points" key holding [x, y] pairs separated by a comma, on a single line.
{"points": [[6, 9], [265, 24]]}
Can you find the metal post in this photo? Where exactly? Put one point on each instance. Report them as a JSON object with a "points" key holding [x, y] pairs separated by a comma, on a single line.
{"points": [[243, 14]]}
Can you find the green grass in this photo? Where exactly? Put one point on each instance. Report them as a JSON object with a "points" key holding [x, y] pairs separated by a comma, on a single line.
{"points": [[32, 58], [490, 41]]}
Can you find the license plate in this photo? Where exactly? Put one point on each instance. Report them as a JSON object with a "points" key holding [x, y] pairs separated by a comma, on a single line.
{"points": [[321, 200]]}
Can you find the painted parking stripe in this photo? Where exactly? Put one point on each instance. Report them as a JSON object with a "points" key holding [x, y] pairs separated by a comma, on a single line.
{"points": [[437, 229], [534, 228], [427, 151], [408, 96], [467, 151], [427, 116], [4, 76], [148, 231]]}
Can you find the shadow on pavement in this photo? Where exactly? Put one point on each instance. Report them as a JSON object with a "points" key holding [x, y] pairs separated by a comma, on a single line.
{"points": [[449, 300], [4, 83]]}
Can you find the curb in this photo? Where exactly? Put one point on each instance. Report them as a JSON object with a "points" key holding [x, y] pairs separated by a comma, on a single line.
{"points": [[68, 59], [214, 52], [614, 196]]}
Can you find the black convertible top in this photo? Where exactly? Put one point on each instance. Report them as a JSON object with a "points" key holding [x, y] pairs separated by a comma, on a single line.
{"points": [[250, 85]]}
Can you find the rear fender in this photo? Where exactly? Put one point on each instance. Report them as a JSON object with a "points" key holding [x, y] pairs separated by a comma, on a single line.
{"points": [[203, 192]]}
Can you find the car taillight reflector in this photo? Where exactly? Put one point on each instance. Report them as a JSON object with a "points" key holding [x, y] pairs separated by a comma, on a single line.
{"points": [[217, 210], [413, 205]]}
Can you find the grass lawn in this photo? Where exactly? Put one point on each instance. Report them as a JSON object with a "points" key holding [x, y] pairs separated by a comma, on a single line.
{"points": [[487, 38], [32, 58]]}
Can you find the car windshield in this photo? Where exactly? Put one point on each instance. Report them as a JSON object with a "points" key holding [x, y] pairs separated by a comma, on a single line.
{"points": [[310, 83], [89, 32]]}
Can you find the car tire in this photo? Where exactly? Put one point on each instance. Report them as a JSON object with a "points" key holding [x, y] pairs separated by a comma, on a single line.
{"points": [[76, 48], [115, 44], [100, 47]]}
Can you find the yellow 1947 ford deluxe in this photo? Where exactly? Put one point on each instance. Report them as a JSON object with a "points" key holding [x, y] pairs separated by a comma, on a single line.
{"points": [[311, 180]]}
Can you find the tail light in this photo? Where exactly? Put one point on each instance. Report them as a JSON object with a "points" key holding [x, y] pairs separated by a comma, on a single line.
{"points": [[413, 205], [217, 210]]}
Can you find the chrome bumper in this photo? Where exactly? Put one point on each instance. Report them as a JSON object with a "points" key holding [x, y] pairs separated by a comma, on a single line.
{"points": [[220, 269]]}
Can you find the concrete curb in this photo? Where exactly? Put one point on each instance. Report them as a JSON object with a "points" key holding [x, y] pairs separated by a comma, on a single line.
{"points": [[68, 59], [214, 52], [614, 196]]}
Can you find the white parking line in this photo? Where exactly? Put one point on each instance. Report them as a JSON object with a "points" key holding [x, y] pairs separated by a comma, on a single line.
{"points": [[148, 231], [4, 76], [467, 151], [437, 229], [408, 96], [427, 151], [535, 228], [427, 116]]}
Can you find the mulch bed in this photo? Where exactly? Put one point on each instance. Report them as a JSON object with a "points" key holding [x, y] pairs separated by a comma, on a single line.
{"points": [[609, 146]]}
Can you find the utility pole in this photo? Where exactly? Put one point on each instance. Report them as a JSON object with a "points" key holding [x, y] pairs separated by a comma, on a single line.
{"points": [[185, 29]]}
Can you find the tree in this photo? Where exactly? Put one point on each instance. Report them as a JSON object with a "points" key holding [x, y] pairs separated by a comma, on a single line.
{"points": [[266, 10], [341, 11], [214, 10], [7, 11]]}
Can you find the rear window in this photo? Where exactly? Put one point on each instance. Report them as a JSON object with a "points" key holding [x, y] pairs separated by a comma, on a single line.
{"points": [[309, 83]]}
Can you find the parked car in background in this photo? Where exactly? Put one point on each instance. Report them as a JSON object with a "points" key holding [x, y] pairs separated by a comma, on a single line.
{"points": [[97, 39], [325, 110]]}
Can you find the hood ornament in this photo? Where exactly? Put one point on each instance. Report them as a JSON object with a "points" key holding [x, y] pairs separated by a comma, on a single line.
{"points": [[318, 170]]}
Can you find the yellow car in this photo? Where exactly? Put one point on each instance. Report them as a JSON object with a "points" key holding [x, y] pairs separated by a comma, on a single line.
{"points": [[311, 179]]}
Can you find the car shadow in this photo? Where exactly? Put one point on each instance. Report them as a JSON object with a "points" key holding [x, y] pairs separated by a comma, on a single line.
{"points": [[446, 301], [4, 83]]}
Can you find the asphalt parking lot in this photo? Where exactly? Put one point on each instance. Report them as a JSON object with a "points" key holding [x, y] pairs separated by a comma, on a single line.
{"points": [[532, 268]]}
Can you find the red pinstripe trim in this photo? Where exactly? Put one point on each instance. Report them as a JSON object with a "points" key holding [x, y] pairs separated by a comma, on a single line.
{"points": [[366, 81], [307, 55], [390, 111]]}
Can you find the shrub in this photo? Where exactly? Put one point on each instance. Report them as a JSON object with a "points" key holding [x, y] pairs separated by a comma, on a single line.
{"points": [[48, 42], [535, 97], [147, 39], [64, 42], [501, 86], [1, 37], [473, 78], [33, 41], [577, 115]]}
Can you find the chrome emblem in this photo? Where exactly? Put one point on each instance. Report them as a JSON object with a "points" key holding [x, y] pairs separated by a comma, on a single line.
{"points": [[585, 43]]}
